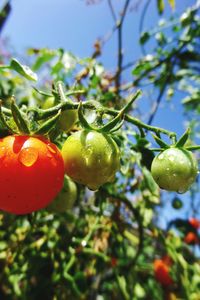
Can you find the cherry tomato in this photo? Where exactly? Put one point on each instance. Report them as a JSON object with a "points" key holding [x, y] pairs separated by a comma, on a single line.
{"points": [[162, 271], [67, 118], [175, 169], [32, 173], [195, 223], [91, 158], [191, 238], [65, 199], [177, 203]]}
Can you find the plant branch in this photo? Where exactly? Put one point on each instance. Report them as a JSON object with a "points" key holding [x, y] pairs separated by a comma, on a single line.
{"points": [[112, 10], [120, 54]]}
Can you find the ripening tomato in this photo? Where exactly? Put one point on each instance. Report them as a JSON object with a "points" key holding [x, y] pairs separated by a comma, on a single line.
{"points": [[67, 118], [194, 223], [32, 173], [174, 169], [65, 199], [162, 271], [191, 238], [91, 158]]}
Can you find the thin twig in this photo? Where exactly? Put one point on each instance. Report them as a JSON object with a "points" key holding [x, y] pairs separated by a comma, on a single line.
{"points": [[112, 10], [141, 24], [157, 103], [120, 54]]}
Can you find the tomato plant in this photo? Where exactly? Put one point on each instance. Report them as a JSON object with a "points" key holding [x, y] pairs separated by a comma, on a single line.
{"points": [[67, 118], [32, 173], [66, 197], [175, 169], [91, 158]]}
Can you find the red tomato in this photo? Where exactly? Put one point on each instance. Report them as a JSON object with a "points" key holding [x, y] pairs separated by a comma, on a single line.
{"points": [[195, 223], [191, 238], [161, 271], [32, 173]]}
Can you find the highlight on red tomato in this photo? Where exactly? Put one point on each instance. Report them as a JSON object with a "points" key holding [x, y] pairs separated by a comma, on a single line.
{"points": [[65, 199], [162, 271], [175, 169], [91, 158], [32, 173]]}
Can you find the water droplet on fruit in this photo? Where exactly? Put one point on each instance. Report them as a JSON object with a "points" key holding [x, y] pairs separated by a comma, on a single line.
{"points": [[28, 156], [51, 149], [182, 191], [161, 156]]}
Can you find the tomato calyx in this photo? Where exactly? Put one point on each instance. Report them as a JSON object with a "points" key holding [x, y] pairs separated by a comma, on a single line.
{"points": [[112, 125]]}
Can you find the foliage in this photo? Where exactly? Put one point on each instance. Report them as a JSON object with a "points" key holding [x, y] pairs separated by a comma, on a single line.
{"points": [[106, 246]]}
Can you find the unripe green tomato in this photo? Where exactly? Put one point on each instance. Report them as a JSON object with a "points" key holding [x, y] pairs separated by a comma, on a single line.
{"points": [[177, 203], [174, 169], [91, 158], [65, 199], [67, 118]]}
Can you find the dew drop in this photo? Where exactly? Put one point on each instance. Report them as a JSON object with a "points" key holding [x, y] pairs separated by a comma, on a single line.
{"points": [[28, 156], [51, 149], [49, 154], [161, 156], [182, 191]]}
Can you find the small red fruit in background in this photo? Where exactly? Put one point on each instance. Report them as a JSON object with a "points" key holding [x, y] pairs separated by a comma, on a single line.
{"points": [[162, 270], [191, 238], [194, 223]]}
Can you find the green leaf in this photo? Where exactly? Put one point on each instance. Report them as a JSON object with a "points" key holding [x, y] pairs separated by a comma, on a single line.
{"points": [[183, 139], [19, 119], [160, 6], [160, 142], [23, 70], [145, 36]]}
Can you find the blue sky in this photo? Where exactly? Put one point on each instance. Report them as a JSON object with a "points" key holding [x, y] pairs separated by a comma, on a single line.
{"points": [[74, 26]]}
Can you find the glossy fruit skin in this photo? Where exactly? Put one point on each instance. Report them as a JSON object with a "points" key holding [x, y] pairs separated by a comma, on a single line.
{"points": [[32, 173], [66, 198], [174, 169], [162, 271], [67, 118], [91, 158]]}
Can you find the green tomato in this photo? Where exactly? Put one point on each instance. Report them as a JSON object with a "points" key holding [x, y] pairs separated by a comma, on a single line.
{"points": [[177, 203], [174, 169], [67, 118], [65, 200], [91, 158]]}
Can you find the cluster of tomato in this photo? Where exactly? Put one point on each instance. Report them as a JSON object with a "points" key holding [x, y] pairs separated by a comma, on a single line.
{"points": [[33, 168]]}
